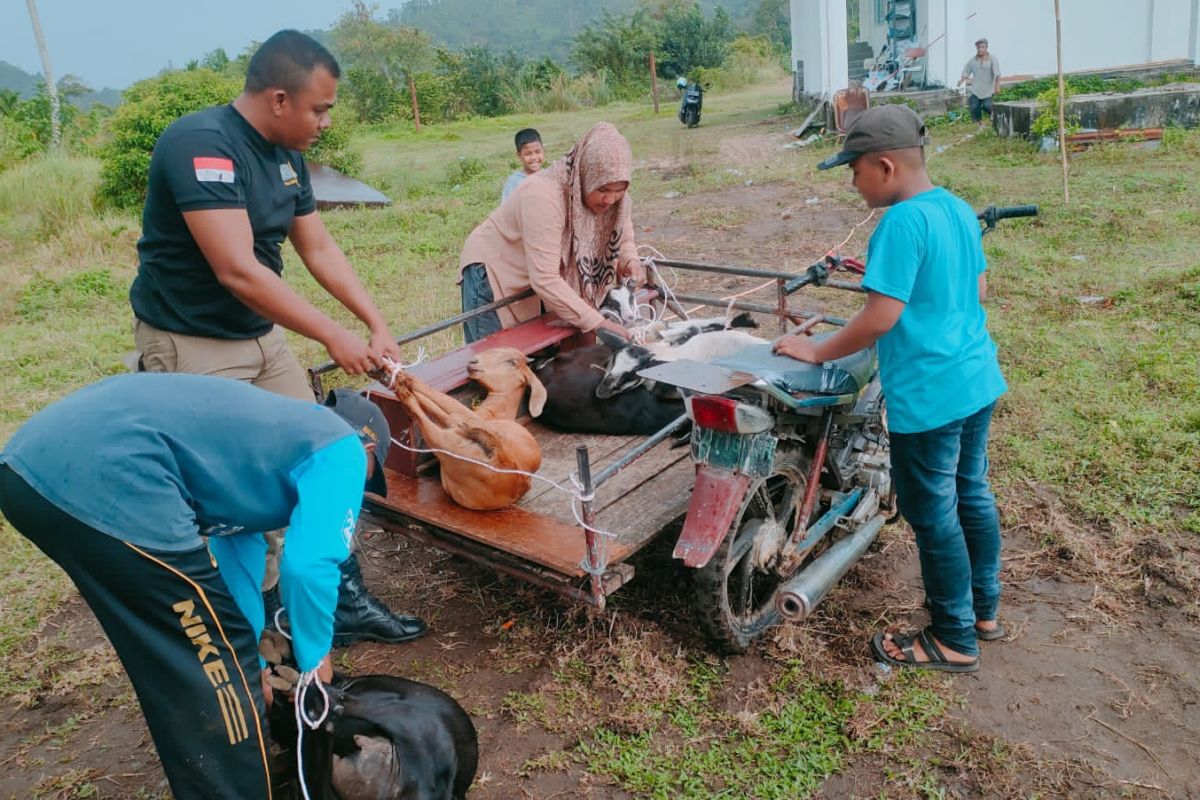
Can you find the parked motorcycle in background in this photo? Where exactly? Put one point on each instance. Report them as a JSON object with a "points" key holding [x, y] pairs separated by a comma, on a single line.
{"points": [[691, 103]]}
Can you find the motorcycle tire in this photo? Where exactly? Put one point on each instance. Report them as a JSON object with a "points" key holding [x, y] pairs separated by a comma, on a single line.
{"points": [[693, 119], [735, 600]]}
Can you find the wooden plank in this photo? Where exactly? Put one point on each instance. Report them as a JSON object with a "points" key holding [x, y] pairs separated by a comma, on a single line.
{"points": [[559, 460], [534, 537], [639, 473], [642, 513]]}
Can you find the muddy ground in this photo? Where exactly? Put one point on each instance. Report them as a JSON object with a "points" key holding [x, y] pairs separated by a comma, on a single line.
{"points": [[1093, 693]]}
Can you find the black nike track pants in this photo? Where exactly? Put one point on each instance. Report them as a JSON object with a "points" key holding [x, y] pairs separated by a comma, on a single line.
{"points": [[187, 648]]}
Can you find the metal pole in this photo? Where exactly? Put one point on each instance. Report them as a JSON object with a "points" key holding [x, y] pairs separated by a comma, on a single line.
{"points": [[421, 333], [1062, 102], [757, 308], [592, 563], [637, 452]]}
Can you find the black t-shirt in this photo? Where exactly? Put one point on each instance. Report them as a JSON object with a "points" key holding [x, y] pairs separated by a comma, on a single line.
{"points": [[212, 159]]}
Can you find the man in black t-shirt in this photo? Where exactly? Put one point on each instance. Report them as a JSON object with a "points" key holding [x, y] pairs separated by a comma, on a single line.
{"points": [[227, 186]]}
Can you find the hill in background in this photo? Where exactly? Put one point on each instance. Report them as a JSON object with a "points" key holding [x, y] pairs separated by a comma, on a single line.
{"points": [[26, 85]]}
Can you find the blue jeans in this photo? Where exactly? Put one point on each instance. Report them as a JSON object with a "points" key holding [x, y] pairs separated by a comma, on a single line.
{"points": [[942, 490], [979, 105], [476, 292]]}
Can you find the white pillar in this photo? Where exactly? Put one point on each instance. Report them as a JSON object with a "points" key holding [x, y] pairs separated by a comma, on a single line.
{"points": [[957, 48], [819, 42], [1194, 33]]}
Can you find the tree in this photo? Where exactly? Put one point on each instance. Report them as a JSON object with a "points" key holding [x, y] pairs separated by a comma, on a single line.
{"points": [[392, 51], [773, 19], [689, 41], [48, 73], [619, 45]]}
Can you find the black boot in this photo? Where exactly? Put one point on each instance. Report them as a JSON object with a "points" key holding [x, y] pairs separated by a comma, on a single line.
{"points": [[271, 606], [362, 616]]}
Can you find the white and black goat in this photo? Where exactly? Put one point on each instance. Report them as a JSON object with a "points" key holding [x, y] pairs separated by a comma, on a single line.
{"points": [[629, 359], [386, 738], [571, 379], [621, 306], [576, 403]]}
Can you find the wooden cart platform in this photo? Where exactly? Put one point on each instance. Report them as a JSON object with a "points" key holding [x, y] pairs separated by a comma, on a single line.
{"points": [[637, 503]]}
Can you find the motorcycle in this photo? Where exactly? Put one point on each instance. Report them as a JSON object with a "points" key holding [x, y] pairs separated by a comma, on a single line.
{"points": [[691, 103], [793, 475]]}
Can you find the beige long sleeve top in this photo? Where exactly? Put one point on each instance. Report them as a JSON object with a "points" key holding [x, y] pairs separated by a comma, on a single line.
{"points": [[520, 244]]}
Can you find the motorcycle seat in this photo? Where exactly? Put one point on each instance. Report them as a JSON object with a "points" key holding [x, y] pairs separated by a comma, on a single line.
{"points": [[844, 376]]}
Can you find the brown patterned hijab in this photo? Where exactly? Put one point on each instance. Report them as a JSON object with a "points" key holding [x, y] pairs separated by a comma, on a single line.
{"points": [[591, 242]]}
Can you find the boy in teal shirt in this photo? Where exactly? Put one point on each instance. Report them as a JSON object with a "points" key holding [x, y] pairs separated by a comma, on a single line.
{"points": [[926, 281]]}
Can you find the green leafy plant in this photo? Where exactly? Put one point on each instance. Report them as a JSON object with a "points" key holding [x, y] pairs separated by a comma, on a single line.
{"points": [[150, 106], [1046, 122]]}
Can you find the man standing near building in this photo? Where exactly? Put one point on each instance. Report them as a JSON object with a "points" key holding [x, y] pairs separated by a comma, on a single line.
{"points": [[984, 70], [227, 186]]}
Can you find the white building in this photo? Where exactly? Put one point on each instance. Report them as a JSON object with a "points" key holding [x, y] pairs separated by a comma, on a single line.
{"points": [[1097, 34]]}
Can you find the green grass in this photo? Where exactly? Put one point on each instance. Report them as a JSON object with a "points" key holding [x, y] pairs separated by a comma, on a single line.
{"points": [[805, 734]]}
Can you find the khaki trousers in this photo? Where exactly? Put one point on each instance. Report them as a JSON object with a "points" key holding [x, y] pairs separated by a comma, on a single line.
{"points": [[266, 362]]}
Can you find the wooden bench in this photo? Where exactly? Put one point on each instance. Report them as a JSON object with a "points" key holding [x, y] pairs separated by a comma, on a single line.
{"points": [[448, 372]]}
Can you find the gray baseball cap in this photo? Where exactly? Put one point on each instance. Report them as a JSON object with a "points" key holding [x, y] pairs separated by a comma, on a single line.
{"points": [[890, 127], [370, 424]]}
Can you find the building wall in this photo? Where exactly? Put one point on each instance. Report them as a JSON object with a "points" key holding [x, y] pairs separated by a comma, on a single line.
{"points": [[1096, 33], [819, 40]]}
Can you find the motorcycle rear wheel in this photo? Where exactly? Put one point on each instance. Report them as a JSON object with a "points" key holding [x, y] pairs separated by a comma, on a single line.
{"points": [[735, 598]]}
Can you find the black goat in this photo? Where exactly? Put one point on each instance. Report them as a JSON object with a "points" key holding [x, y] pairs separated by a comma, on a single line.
{"points": [[572, 406], [386, 738]]}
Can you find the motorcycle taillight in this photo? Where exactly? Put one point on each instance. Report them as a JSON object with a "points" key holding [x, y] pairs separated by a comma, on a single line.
{"points": [[727, 415]]}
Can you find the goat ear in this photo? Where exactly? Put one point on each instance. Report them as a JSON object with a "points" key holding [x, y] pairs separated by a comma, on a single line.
{"points": [[537, 393], [611, 340]]}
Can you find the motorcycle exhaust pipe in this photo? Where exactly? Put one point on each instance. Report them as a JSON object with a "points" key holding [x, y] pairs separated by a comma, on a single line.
{"points": [[798, 597]]}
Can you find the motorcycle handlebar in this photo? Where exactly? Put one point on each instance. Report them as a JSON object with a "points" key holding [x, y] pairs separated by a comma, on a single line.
{"points": [[991, 215]]}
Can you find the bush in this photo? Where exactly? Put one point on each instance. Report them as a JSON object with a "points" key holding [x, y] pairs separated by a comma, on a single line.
{"points": [[372, 95], [333, 148], [1046, 122], [18, 141], [150, 106]]}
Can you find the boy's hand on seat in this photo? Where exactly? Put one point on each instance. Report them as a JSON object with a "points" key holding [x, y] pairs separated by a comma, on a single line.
{"points": [[800, 348]]}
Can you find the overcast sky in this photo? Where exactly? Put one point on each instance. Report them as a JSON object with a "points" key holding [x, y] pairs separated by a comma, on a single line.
{"points": [[116, 42]]}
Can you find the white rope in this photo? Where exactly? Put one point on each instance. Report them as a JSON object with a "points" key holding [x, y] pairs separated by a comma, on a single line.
{"points": [[307, 681], [394, 368], [659, 280], [578, 498]]}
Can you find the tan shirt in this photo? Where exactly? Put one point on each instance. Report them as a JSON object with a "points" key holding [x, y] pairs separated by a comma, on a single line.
{"points": [[520, 244]]}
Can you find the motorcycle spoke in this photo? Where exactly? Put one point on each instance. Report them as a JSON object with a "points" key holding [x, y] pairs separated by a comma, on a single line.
{"points": [[738, 551]]}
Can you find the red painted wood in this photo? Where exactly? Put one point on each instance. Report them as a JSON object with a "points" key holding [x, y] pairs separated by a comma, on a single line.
{"points": [[715, 500]]}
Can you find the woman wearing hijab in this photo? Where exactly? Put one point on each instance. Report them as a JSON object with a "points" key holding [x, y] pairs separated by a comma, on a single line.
{"points": [[566, 231]]}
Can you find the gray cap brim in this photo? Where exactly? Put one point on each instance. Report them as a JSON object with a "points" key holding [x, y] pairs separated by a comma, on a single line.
{"points": [[838, 160]]}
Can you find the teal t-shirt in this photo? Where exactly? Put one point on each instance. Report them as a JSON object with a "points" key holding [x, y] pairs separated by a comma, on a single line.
{"points": [[163, 461], [938, 363]]}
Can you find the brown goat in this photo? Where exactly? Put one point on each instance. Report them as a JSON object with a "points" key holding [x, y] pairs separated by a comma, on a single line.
{"points": [[488, 434]]}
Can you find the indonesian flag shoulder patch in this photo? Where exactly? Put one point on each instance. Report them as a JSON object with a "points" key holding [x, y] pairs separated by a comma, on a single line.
{"points": [[213, 170]]}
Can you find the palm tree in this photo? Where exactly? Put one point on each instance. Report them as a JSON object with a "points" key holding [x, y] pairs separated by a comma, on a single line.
{"points": [[48, 73]]}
